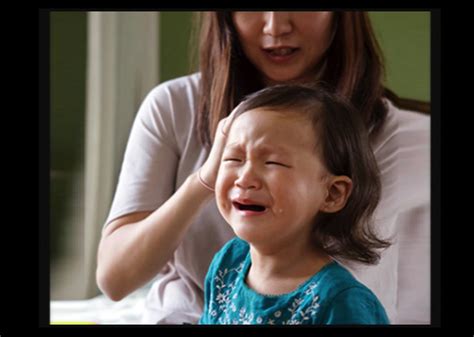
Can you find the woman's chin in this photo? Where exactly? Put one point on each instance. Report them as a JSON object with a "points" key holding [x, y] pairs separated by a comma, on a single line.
{"points": [[283, 79]]}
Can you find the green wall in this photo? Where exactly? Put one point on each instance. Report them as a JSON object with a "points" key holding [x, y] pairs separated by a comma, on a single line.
{"points": [[405, 40], [175, 30], [67, 116], [403, 36], [67, 71]]}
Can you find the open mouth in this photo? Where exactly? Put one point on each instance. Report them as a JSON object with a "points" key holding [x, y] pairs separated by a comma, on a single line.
{"points": [[280, 52], [249, 207]]}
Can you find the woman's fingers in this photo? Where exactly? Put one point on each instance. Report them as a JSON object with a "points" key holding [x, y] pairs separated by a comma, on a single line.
{"points": [[209, 170]]}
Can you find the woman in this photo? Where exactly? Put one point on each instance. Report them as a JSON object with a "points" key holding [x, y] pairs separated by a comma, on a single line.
{"points": [[164, 221]]}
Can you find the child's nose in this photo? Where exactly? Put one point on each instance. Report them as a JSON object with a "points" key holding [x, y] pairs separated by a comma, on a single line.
{"points": [[248, 178]]}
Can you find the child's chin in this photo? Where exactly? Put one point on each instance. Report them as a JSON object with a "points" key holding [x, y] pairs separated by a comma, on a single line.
{"points": [[246, 234]]}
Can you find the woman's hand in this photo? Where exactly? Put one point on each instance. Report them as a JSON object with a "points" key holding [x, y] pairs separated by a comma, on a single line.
{"points": [[208, 171]]}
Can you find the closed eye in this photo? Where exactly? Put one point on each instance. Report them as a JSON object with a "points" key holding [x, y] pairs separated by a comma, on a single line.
{"points": [[231, 159], [275, 163]]}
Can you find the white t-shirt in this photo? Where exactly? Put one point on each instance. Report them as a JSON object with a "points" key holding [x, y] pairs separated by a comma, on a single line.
{"points": [[163, 150]]}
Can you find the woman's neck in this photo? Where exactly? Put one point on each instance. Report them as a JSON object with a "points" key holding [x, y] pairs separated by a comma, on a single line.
{"points": [[309, 78]]}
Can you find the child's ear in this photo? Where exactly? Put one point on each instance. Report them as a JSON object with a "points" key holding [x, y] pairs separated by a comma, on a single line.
{"points": [[339, 190]]}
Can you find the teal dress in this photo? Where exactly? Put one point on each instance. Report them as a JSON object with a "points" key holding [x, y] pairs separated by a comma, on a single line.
{"points": [[331, 296]]}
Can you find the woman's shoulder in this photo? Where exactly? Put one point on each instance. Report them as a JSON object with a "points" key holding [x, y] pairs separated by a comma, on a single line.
{"points": [[402, 128], [401, 119], [404, 117], [172, 103], [179, 88], [191, 80]]}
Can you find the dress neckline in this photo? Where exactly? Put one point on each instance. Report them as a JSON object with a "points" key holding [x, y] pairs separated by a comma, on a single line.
{"points": [[314, 278]]}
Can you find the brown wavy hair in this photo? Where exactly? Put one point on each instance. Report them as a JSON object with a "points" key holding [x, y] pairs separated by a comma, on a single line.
{"points": [[344, 147], [354, 69]]}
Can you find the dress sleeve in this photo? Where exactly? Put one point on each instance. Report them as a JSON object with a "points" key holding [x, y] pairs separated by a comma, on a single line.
{"points": [[148, 171], [413, 221], [354, 306], [402, 151]]}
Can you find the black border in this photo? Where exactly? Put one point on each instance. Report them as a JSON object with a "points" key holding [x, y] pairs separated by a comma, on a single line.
{"points": [[44, 164], [435, 167]]}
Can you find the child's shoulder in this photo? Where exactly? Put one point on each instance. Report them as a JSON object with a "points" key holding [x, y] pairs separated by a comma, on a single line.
{"points": [[231, 255], [354, 305], [347, 301], [337, 278], [234, 248]]}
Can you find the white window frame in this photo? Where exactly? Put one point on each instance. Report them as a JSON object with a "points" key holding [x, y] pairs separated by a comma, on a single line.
{"points": [[122, 67]]}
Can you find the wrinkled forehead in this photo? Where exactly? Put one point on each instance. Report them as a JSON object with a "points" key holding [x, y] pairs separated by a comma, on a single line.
{"points": [[283, 124], [278, 112], [248, 117], [310, 116]]}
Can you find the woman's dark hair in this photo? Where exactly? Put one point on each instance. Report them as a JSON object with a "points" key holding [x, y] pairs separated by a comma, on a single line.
{"points": [[343, 143], [354, 69]]}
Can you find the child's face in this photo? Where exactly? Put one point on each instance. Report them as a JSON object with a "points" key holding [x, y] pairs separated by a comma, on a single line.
{"points": [[271, 181]]}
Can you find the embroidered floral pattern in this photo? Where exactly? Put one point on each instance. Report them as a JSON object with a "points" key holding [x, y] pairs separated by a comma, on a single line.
{"points": [[224, 305]]}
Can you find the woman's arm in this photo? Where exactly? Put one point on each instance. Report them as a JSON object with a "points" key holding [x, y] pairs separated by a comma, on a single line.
{"points": [[135, 247]]}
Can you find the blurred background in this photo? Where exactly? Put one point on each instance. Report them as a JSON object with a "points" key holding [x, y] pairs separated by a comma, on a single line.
{"points": [[102, 64]]}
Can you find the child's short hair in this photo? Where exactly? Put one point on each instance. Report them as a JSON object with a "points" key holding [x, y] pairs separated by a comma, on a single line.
{"points": [[344, 146]]}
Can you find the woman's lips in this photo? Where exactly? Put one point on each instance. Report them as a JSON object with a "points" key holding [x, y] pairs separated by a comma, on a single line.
{"points": [[280, 55]]}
